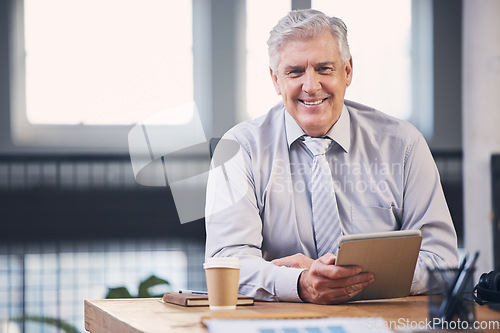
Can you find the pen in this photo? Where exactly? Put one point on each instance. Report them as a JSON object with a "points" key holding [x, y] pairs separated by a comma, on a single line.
{"points": [[449, 292], [192, 292], [459, 288]]}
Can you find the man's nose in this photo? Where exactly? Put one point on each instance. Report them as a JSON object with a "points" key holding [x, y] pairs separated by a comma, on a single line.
{"points": [[311, 82]]}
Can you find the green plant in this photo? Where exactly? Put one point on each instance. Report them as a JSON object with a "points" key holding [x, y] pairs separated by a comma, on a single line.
{"points": [[144, 289], [59, 323]]}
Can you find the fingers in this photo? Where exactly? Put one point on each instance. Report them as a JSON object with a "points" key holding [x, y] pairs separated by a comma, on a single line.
{"points": [[344, 289], [337, 296], [297, 260], [343, 271], [325, 283], [340, 291], [338, 272], [328, 259]]}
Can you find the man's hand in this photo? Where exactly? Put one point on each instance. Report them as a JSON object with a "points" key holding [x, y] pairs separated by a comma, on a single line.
{"points": [[325, 283], [297, 260]]}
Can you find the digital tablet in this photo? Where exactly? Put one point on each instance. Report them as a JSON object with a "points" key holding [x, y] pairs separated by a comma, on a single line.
{"points": [[390, 256]]}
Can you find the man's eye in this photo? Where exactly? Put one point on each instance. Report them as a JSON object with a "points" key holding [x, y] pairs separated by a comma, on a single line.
{"points": [[325, 70], [294, 73]]}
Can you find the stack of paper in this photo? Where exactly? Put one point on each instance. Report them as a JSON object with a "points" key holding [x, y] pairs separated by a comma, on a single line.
{"points": [[318, 325]]}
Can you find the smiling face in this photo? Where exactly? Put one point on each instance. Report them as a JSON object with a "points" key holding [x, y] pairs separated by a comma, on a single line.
{"points": [[312, 79]]}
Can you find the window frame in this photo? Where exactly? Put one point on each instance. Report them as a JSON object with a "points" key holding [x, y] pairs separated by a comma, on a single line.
{"points": [[59, 137]]}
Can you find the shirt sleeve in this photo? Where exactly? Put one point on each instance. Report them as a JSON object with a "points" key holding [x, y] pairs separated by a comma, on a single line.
{"points": [[234, 227], [425, 208]]}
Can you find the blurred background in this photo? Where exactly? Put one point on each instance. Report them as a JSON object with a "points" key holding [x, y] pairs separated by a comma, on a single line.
{"points": [[77, 75]]}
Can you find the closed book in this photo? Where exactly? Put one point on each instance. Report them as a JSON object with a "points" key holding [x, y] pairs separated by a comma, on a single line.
{"points": [[198, 300]]}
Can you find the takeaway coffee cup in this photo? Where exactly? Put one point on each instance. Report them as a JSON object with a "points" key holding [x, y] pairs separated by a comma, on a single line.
{"points": [[222, 275]]}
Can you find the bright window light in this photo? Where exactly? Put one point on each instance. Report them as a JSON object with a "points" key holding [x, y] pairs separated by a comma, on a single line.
{"points": [[106, 62], [262, 16], [379, 34]]}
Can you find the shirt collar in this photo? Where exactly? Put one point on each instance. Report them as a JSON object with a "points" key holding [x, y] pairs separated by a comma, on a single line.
{"points": [[340, 131], [292, 129]]}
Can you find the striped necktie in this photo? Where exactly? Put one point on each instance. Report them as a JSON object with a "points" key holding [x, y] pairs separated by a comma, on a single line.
{"points": [[325, 213]]}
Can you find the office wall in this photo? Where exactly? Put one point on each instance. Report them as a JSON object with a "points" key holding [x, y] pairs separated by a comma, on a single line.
{"points": [[481, 118]]}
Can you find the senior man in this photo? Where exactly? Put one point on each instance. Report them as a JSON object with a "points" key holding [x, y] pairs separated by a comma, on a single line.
{"points": [[316, 167]]}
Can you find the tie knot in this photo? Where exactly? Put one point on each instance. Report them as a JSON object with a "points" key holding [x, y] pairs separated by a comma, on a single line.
{"points": [[317, 146]]}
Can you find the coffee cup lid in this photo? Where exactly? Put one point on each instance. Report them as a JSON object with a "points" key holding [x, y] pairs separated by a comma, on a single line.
{"points": [[229, 262]]}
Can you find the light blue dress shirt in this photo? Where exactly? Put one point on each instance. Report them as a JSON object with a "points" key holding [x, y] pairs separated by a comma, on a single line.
{"points": [[259, 205]]}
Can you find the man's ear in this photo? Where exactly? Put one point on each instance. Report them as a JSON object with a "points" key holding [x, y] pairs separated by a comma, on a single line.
{"points": [[348, 72], [274, 77]]}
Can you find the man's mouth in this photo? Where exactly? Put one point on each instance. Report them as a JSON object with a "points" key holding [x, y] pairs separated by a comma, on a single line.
{"points": [[309, 103]]}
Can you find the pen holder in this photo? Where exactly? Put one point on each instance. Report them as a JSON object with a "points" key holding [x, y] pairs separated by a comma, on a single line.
{"points": [[440, 285]]}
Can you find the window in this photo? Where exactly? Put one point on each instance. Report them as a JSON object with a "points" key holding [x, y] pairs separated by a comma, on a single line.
{"points": [[85, 71], [262, 16], [91, 64], [380, 41]]}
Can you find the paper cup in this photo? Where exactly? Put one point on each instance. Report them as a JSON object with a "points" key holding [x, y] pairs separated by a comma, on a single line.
{"points": [[223, 275]]}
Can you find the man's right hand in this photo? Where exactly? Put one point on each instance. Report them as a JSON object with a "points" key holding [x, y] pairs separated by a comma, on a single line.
{"points": [[325, 283]]}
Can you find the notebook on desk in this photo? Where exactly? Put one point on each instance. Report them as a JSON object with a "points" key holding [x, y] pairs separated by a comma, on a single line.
{"points": [[198, 300], [390, 256]]}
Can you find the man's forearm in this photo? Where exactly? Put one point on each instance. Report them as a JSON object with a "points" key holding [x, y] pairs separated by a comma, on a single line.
{"points": [[262, 279]]}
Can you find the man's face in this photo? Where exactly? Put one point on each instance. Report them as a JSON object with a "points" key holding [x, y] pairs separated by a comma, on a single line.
{"points": [[312, 79]]}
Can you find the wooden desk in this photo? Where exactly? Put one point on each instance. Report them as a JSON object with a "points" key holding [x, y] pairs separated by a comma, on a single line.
{"points": [[150, 315]]}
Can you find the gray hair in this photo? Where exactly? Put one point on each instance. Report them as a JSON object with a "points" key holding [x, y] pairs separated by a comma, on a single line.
{"points": [[304, 24]]}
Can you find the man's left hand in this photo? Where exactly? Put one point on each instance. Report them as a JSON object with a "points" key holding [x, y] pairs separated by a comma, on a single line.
{"points": [[297, 260]]}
